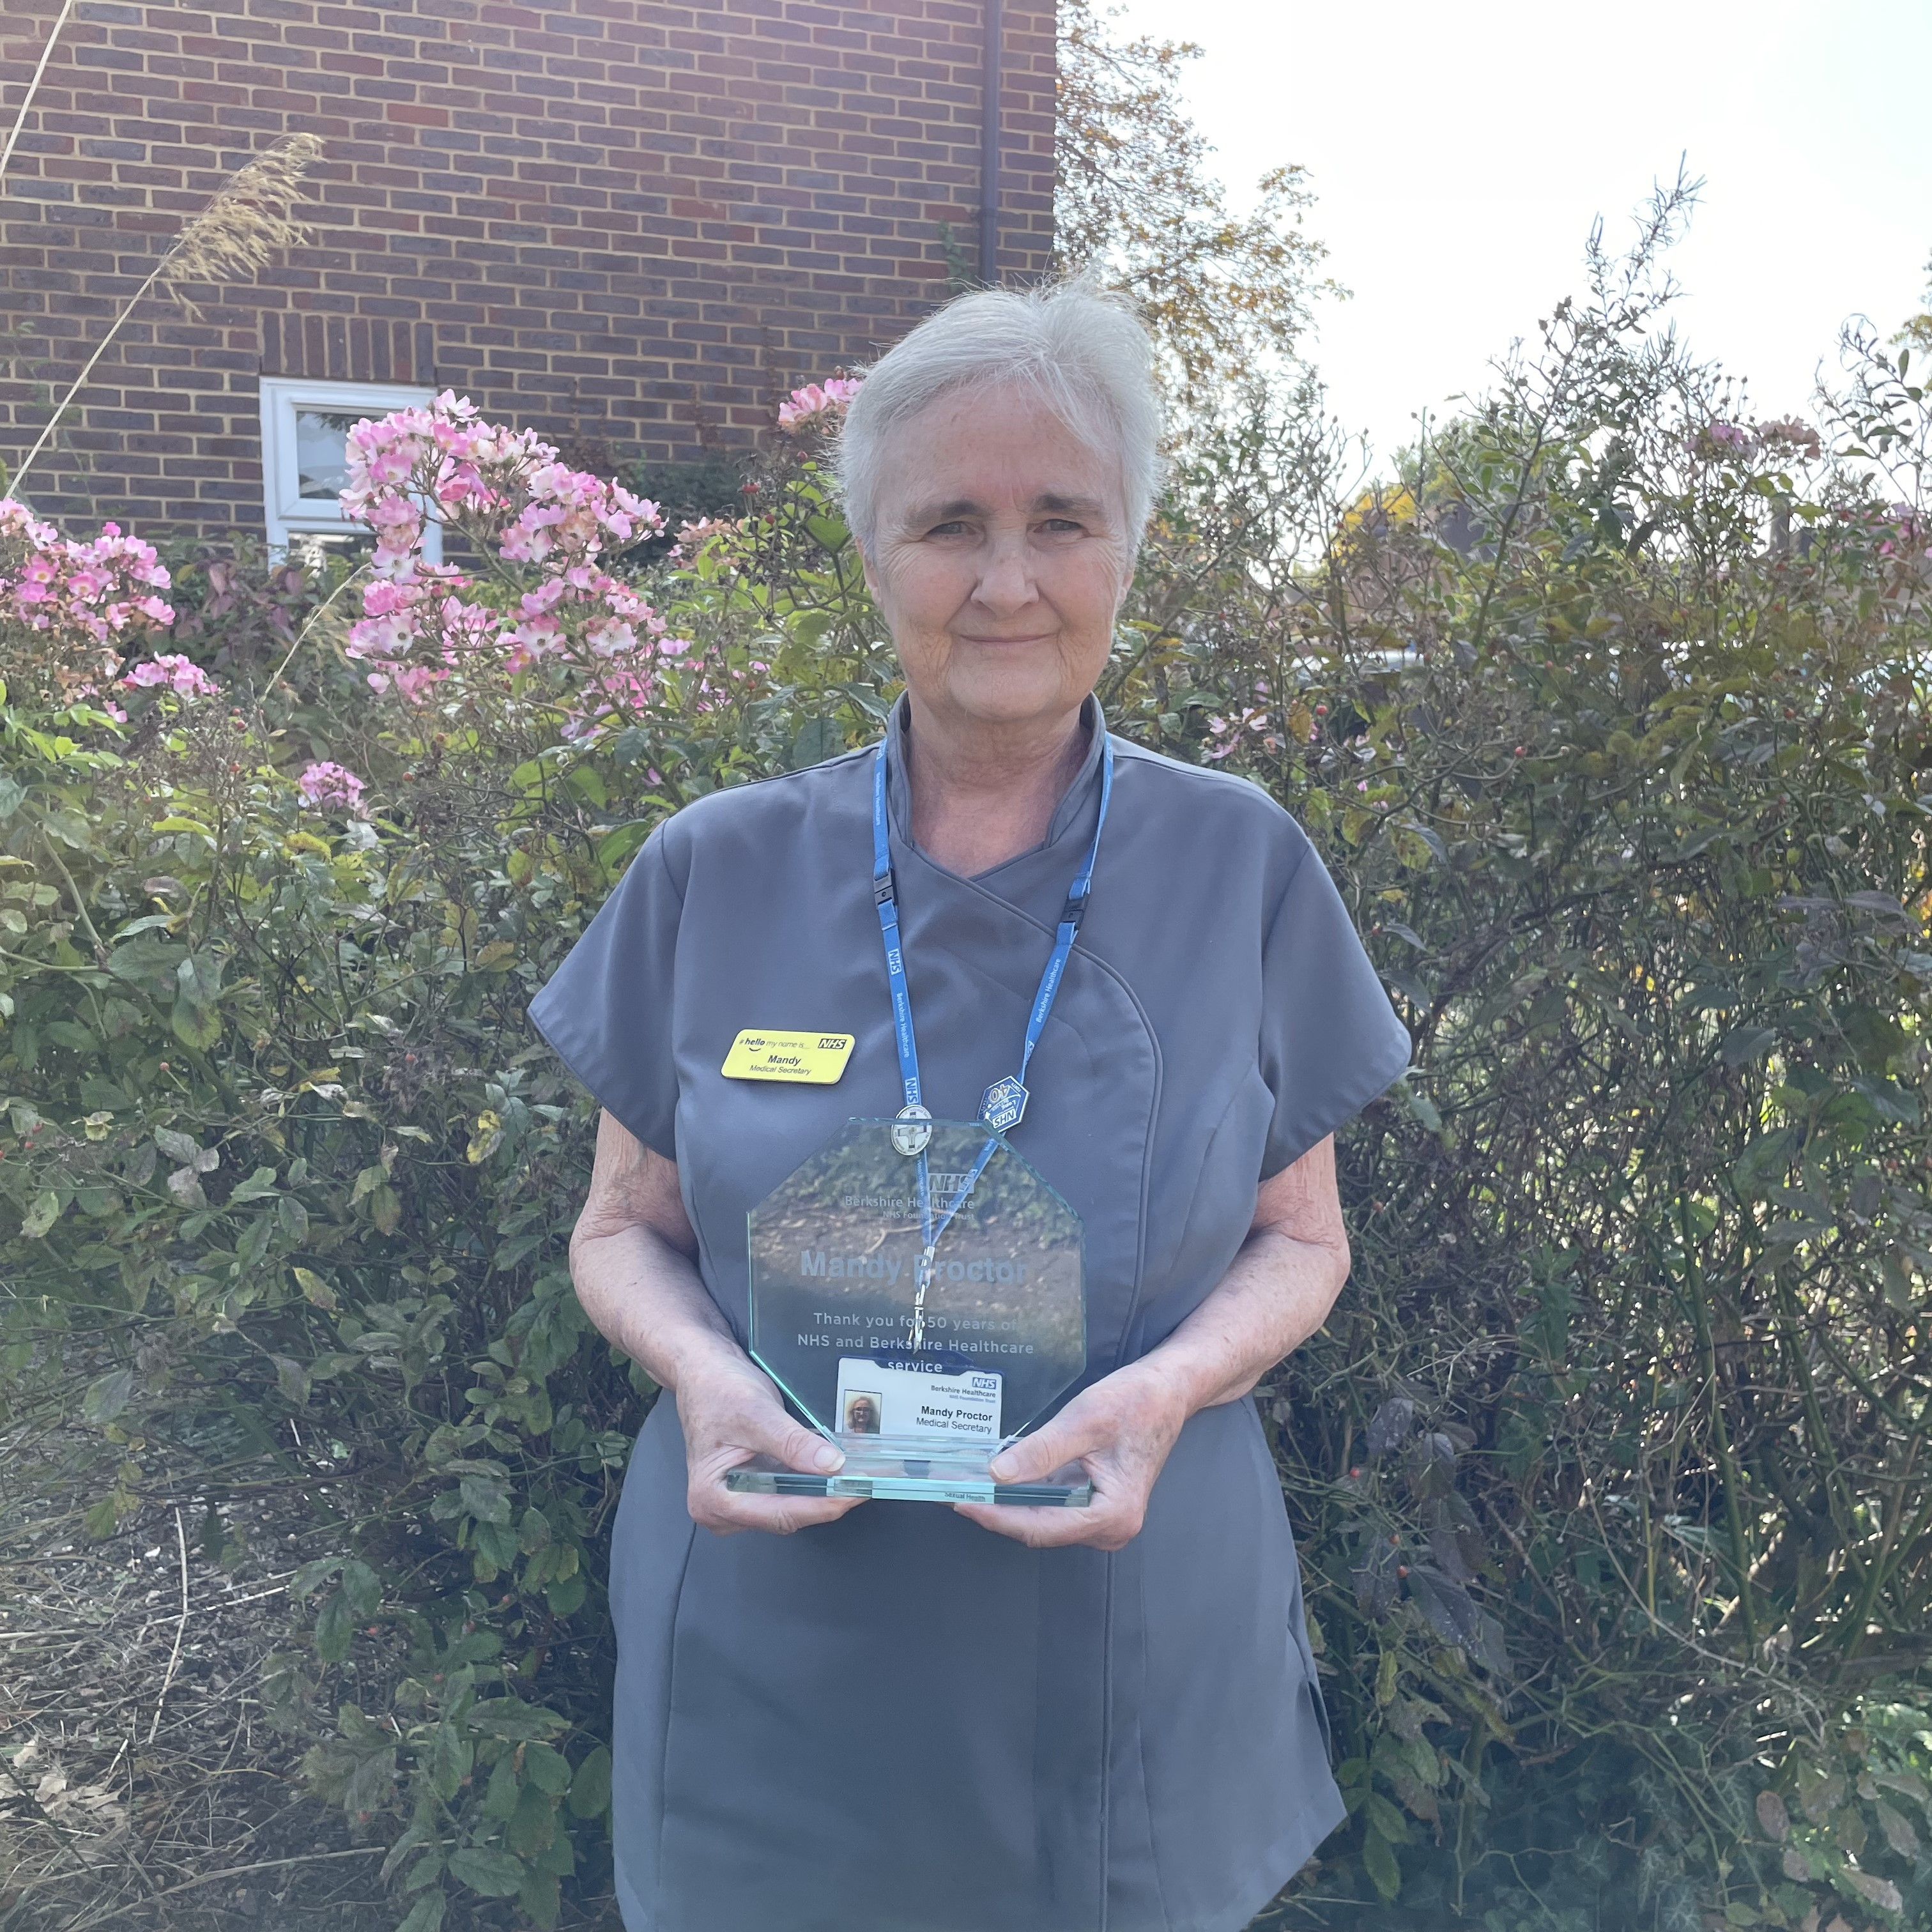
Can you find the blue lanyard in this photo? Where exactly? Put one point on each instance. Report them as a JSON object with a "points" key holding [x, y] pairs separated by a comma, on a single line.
{"points": [[1004, 1102]]}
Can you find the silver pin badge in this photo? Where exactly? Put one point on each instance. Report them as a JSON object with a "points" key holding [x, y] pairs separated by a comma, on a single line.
{"points": [[1002, 1104], [912, 1130]]}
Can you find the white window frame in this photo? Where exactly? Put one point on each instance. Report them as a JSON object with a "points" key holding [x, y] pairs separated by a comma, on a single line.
{"points": [[288, 517]]}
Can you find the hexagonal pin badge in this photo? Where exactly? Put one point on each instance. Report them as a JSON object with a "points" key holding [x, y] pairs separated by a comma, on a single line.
{"points": [[1002, 1104]]}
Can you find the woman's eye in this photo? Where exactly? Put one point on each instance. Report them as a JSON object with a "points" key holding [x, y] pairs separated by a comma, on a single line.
{"points": [[1060, 526], [954, 529]]}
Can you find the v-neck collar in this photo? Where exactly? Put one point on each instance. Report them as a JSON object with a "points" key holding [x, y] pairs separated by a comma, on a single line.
{"points": [[1074, 810]]}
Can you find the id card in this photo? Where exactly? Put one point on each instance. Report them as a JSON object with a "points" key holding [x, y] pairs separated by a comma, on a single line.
{"points": [[875, 1400], [815, 1059]]}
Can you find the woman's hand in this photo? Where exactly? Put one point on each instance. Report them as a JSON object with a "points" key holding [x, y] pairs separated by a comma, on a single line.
{"points": [[631, 1258], [1118, 1432], [733, 1414]]}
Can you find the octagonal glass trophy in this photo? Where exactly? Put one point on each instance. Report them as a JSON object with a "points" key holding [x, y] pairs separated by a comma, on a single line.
{"points": [[917, 1292]]}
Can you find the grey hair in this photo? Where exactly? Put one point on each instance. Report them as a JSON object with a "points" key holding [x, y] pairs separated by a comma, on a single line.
{"points": [[1081, 349]]}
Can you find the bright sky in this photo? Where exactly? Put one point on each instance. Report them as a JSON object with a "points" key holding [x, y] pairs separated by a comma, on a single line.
{"points": [[1460, 152]]}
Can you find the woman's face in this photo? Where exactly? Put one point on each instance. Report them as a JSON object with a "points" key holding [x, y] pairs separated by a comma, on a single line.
{"points": [[1000, 559]]}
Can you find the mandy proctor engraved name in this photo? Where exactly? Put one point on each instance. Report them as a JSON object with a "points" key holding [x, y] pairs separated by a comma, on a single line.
{"points": [[887, 1267]]}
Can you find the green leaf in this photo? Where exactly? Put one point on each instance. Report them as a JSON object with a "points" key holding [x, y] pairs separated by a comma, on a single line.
{"points": [[1379, 1860], [547, 1768], [102, 1519], [370, 1783], [556, 1858], [1384, 1818], [385, 1209], [1898, 1829], [361, 1586], [615, 847], [185, 1184], [425, 1915], [314, 1288], [42, 1215], [70, 827], [513, 1720], [253, 1243], [261, 1182], [540, 1899], [292, 1378], [484, 1497], [534, 1825], [333, 1629], [1875, 1891], [496, 1874], [311, 1577], [199, 978], [452, 1757], [499, 1796], [497, 1542], [197, 1026], [565, 1597], [1747, 1043], [590, 1788], [108, 1396]]}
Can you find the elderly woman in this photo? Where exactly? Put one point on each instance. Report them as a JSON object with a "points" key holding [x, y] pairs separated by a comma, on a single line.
{"points": [[910, 1717]]}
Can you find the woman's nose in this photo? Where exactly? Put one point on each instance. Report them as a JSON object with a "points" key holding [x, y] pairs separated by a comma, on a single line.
{"points": [[1005, 583]]}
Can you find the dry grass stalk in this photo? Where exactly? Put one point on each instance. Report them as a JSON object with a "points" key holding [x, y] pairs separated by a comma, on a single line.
{"points": [[246, 223], [250, 219], [34, 85]]}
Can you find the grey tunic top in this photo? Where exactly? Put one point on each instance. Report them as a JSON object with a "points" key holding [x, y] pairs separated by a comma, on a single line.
{"points": [[900, 1722]]}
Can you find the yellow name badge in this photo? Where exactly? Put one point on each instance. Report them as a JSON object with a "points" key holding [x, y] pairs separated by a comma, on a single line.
{"points": [[818, 1059]]}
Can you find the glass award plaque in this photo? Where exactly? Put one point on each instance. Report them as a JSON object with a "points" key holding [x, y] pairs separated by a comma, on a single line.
{"points": [[920, 1309]]}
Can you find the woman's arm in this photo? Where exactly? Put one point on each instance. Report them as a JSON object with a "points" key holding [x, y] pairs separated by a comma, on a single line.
{"points": [[1277, 1294], [631, 1260]]}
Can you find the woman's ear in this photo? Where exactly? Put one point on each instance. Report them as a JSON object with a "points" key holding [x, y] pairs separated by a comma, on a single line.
{"points": [[871, 574]]}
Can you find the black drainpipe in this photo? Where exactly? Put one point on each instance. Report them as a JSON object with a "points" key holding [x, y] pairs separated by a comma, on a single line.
{"points": [[989, 146]]}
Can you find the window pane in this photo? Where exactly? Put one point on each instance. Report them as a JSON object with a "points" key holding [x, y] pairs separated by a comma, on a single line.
{"points": [[322, 466]]}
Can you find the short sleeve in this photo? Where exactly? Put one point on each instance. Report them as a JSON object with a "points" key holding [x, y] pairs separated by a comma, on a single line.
{"points": [[606, 1011], [1330, 1041]]}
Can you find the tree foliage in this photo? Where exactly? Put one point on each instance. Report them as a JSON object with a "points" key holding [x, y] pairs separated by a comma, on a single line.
{"points": [[1227, 294]]}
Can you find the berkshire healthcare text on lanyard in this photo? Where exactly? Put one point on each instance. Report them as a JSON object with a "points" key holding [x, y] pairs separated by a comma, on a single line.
{"points": [[1004, 1102]]}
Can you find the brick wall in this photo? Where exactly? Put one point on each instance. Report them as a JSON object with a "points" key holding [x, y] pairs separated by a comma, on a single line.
{"points": [[629, 223]]}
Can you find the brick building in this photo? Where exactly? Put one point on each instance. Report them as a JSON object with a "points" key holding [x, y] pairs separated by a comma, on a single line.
{"points": [[633, 224]]}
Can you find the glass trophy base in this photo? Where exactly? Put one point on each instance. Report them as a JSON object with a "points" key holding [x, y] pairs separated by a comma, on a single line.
{"points": [[912, 1470]]}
